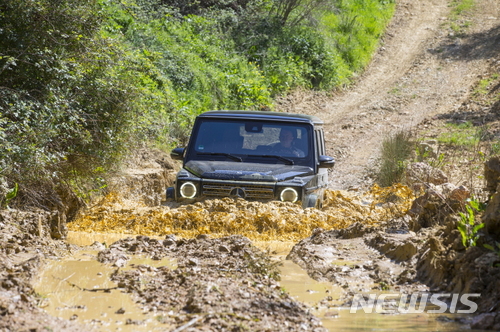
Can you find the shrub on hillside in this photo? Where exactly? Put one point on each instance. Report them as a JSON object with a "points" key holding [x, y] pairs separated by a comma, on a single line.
{"points": [[396, 150], [64, 106]]}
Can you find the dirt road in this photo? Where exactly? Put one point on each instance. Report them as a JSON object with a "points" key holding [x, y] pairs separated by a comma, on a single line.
{"points": [[423, 68]]}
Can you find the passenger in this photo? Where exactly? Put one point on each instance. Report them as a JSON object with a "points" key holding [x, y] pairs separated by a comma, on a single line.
{"points": [[286, 145]]}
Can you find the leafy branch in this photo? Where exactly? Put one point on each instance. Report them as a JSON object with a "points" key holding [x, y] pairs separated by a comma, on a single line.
{"points": [[467, 224], [283, 10], [10, 195]]}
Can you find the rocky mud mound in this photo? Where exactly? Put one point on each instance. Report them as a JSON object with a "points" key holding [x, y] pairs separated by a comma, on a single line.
{"points": [[223, 284], [361, 259], [24, 243], [255, 220], [445, 264]]}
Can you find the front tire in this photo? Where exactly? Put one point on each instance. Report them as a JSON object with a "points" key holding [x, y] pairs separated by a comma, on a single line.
{"points": [[170, 193], [310, 201]]}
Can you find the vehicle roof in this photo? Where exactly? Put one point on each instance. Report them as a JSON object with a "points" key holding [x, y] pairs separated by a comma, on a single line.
{"points": [[263, 115]]}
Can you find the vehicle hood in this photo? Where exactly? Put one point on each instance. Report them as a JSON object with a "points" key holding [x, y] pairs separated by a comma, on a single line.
{"points": [[230, 170]]}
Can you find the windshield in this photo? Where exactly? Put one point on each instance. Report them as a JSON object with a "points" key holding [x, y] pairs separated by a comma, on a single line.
{"points": [[270, 142]]}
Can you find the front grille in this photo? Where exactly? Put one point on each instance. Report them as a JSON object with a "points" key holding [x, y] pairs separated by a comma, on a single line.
{"points": [[252, 191]]}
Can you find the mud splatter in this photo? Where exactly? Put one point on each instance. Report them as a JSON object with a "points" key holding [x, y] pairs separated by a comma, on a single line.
{"points": [[255, 220]]}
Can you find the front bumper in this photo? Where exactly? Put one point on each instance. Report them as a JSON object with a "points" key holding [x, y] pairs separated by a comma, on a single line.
{"points": [[210, 188]]}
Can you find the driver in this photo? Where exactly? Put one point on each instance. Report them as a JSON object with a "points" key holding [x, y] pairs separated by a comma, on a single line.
{"points": [[286, 145]]}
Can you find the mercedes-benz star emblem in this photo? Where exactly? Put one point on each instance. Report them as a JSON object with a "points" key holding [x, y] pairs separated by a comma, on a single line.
{"points": [[238, 192]]}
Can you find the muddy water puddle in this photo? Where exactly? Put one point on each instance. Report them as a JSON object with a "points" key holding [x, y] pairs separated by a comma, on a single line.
{"points": [[78, 288], [325, 302], [294, 279]]}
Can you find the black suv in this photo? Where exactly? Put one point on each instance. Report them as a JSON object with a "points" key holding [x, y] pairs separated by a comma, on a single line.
{"points": [[253, 155]]}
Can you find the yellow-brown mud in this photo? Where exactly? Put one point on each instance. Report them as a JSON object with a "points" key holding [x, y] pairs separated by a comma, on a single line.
{"points": [[255, 220]]}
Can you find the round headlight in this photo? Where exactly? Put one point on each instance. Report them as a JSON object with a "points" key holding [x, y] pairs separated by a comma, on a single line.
{"points": [[289, 195], [188, 190]]}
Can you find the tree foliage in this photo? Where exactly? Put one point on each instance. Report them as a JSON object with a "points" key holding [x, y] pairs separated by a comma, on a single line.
{"points": [[83, 81], [61, 112]]}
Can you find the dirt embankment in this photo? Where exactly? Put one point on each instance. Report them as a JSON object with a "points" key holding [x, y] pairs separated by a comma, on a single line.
{"points": [[420, 253]]}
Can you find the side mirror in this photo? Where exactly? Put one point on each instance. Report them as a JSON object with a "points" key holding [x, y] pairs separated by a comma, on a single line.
{"points": [[177, 153], [326, 162]]}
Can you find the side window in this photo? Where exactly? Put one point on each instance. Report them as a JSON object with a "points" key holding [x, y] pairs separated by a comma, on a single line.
{"points": [[323, 147], [320, 142]]}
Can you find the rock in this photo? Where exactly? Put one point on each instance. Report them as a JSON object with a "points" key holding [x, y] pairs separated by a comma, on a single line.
{"points": [[459, 194], [120, 262], [428, 149], [399, 247], [483, 322], [169, 240], [457, 198], [437, 205], [193, 261], [112, 256], [492, 174], [424, 173], [97, 246], [488, 259], [223, 248], [445, 188], [424, 210], [491, 216], [203, 237], [120, 311]]}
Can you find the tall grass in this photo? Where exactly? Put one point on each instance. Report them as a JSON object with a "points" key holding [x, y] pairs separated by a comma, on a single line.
{"points": [[354, 30], [395, 152]]}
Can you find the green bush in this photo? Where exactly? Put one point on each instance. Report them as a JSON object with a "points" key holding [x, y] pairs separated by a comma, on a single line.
{"points": [[63, 101]]}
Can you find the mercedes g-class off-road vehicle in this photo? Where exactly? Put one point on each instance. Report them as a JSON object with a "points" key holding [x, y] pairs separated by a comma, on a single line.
{"points": [[253, 155]]}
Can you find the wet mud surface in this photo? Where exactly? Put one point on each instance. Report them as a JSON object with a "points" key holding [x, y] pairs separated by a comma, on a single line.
{"points": [[229, 284], [25, 244], [357, 261], [219, 284]]}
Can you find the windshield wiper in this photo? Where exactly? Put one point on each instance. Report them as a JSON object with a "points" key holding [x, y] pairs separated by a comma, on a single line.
{"points": [[235, 158], [286, 160]]}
